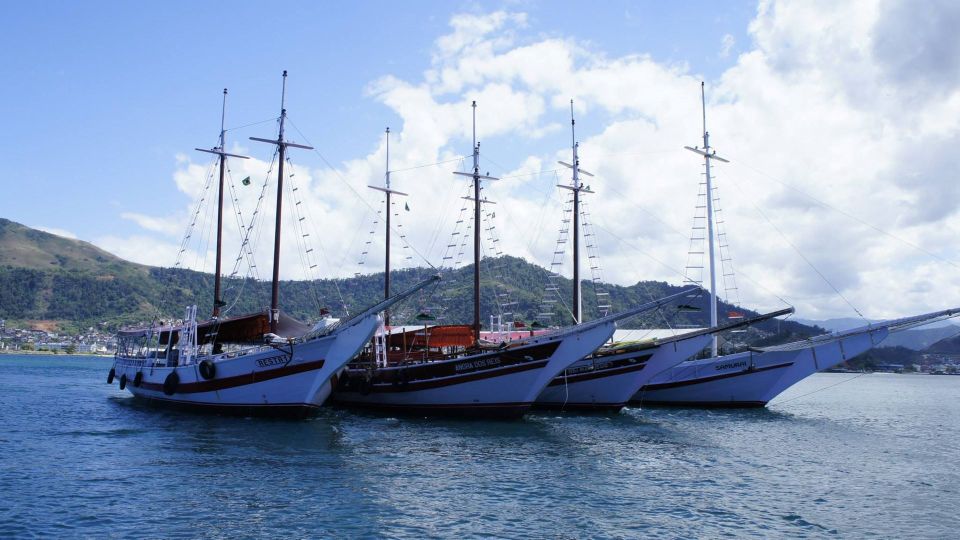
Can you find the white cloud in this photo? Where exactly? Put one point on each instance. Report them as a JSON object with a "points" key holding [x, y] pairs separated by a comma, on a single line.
{"points": [[59, 232], [825, 100], [726, 45]]}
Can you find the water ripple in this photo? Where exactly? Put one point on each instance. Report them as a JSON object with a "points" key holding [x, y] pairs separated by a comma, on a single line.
{"points": [[870, 458]]}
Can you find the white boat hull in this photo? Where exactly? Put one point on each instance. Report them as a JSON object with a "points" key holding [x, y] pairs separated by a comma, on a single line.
{"points": [[749, 379], [606, 383], [501, 383], [288, 380]]}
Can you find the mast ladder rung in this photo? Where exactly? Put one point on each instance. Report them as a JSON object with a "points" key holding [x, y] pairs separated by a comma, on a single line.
{"points": [[603, 294]]}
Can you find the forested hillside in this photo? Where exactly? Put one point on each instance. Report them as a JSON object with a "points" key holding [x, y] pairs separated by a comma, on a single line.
{"points": [[45, 277]]}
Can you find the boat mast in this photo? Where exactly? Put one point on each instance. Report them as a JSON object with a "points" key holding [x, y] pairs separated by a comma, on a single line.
{"points": [[577, 297], [476, 229], [386, 189], [709, 154], [577, 188], [282, 149], [386, 256], [476, 223], [221, 152]]}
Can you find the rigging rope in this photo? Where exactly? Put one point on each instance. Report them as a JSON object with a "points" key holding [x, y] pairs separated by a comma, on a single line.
{"points": [[459, 158], [847, 214], [350, 187], [273, 119], [857, 376], [802, 256]]}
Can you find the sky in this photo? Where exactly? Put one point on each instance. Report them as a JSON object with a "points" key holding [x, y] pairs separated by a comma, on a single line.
{"points": [[839, 120]]}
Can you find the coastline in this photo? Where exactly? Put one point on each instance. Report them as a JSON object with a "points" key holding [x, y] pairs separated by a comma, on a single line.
{"points": [[50, 353]]}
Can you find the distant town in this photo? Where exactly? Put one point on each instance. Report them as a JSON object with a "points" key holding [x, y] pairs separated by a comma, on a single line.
{"points": [[92, 341], [27, 340]]}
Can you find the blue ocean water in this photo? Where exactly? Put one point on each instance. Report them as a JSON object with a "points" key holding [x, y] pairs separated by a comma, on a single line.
{"points": [[875, 456]]}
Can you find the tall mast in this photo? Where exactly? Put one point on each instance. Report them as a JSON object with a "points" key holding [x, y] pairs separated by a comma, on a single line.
{"points": [[577, 297], [282, 149], [221, 152], [577, 188], [708, 155], [386, 256], [476, 224], [386, 189], [476, 228]]}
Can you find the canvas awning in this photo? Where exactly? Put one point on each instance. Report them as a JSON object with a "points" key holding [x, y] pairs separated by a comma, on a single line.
{"points": [[451, 335], [240, 329]]}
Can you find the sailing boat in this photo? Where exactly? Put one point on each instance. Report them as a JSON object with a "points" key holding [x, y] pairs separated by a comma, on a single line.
{"points": [[454, 377], [754, 377], [608, 378], [263, 363]]}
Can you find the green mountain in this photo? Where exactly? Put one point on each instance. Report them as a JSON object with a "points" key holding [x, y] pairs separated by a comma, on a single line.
{"points": [[948, 345], [74, 284]]}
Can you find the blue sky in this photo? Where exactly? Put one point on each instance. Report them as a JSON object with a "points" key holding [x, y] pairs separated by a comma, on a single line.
{"points": [[100, 96], [840, 121]]}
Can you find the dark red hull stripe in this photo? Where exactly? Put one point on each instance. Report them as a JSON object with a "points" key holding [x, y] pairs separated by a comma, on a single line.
{"points": [[560, 380], [702, 404], [413, 386], [689, 382], [580, 407], [272, 410], [498, 358], [468, 410], [239, 380], [411, 378]]}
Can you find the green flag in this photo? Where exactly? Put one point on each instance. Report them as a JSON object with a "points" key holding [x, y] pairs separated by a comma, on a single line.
{"points": [[245, 181]]}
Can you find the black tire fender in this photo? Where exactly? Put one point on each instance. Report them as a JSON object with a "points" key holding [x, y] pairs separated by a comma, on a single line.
{"points": [[123, 381], [171, 383], [208, 369], [138, 379], [111, 375]]}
